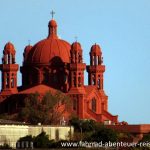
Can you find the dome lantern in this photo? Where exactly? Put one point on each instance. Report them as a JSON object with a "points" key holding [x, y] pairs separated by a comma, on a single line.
{"points": [[76, 53], [9, 54], [96, 55], [52, 27], [9, 48]]}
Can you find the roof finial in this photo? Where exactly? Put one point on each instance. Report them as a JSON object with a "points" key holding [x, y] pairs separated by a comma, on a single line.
{"points": [[29, 42], [76, 38], [52, 13]]}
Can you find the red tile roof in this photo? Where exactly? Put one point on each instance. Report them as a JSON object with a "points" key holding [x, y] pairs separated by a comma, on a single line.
{"points": [[42, 89]]}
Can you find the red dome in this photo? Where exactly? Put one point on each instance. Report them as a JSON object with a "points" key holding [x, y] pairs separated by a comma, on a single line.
{"points": [[76, 46], [27, 48], [96, 49], [9, 48], [47, 49], [52, 23], [26, 51]]}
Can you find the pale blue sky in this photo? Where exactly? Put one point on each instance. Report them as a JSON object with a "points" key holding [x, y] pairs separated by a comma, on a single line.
{"points": [[121, 27]]}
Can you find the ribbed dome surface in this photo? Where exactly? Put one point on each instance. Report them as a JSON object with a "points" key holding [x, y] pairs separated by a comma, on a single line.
{"points": [[27, 48], [76, 46], [9, 48], [26, 51], [47, 49], [96, 49]]}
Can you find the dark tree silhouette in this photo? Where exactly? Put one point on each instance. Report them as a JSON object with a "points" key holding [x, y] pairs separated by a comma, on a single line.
{"points": [[48, 109]]}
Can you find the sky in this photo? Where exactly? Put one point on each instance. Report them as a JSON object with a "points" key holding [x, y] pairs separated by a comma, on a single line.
{"points": [[120, 27]]}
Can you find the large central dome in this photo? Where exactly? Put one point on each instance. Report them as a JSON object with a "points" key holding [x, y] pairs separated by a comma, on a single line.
{"points": [[45, 50]]}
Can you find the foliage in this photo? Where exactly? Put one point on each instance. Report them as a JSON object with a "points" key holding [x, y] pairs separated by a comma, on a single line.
{"points": [[85, 125], [124, 135], [104, 134], [41, 141], [90, 130], [7, 116], [28, 138], [5, 146], [146, 138], [48, 109]]}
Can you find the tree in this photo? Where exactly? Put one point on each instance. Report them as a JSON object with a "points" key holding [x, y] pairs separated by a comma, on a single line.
{"points": [[104, 134], [5, 146], [48, 109], [41, 141], [87, 125], [89, 130], [145, 139]]}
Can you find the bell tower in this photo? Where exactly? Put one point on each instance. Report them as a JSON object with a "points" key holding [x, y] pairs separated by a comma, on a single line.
{"points": [[77, 66], [77, 89], [96, 69], [9, 71]]}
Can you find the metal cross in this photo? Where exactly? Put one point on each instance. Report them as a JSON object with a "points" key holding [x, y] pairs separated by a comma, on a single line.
{"points": [[29, 41], [76, 38], [52, 13]]}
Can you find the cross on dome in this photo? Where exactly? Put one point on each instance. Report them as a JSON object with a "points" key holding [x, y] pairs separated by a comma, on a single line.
{"points": [[76, 38], [29, 41], [52, 13]]}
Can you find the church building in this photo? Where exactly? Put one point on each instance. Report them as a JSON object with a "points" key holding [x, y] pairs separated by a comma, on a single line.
{"points": [[54, 64]]}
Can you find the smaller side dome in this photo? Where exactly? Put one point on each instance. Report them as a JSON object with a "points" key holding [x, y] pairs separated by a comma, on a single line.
{"points": [[76, 53], [96, 49], [26, 51], [96, 55], [9, 48], [52, 23], [76, 46], [27, 48]]}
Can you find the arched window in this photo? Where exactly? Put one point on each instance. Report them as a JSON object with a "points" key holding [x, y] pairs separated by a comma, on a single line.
{"points": [[75, 104], [7, 80], [13, 59], [93, 105], [46, 76], [65, 78], [10, 61], [98, 83], [97, 60], [72, 57], [12, 81], [93, 79], [79, 81], [55, 78], [7, 59], [79, 58], [74, 81], [93, 60]]}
